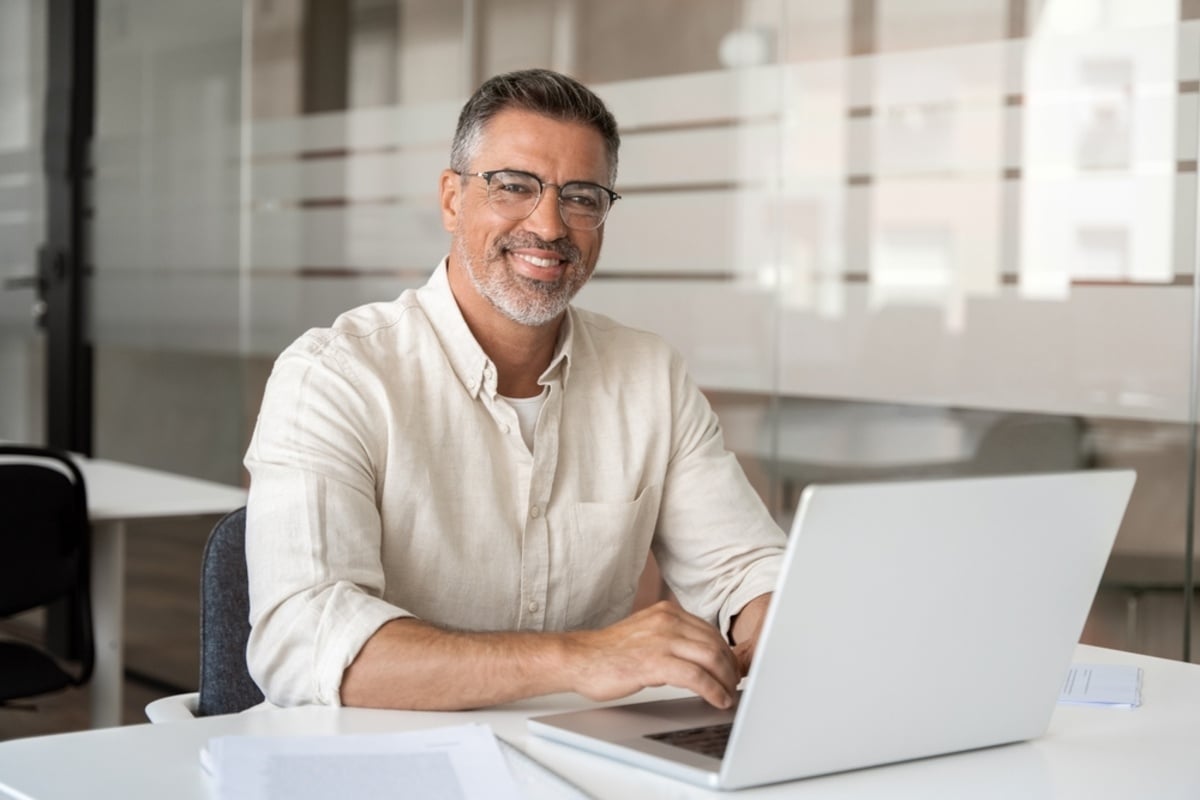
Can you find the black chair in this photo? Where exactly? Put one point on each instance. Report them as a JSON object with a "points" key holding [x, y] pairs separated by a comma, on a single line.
{"points": [[225, 683], [45, 561]]}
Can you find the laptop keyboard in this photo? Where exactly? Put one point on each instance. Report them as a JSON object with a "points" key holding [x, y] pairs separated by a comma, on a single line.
{"points": [[709, 740]]}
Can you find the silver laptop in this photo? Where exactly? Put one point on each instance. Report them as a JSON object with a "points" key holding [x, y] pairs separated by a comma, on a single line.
{"points": [[911, 619]]}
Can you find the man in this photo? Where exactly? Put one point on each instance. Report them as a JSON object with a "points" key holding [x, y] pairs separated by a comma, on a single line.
{"points": [[452, 494]]}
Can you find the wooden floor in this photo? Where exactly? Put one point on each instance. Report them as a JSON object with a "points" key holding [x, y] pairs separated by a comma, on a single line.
{"points": [[162, 630]]}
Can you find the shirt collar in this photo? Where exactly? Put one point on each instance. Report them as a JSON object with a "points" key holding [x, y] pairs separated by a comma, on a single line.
{"points": [[560, 364], [467, 359]]}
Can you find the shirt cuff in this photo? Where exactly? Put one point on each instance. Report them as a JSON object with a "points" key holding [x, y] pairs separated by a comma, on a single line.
{"points": [[359, 617]]}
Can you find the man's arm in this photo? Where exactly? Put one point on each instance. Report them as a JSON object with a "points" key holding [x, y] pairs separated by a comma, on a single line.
{"points": [[716, 543], [411, 664]]}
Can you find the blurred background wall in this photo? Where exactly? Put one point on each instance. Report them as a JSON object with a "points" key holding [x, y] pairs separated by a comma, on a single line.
{"points": [[893, 238]]}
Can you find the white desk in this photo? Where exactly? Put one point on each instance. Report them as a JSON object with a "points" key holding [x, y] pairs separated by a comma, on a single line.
{"points": [[1088, 753], [118, 493]]}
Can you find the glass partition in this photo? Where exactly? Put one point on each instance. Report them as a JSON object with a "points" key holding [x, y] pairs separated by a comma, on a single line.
{"points": [[166, 295], [22, 215], [892, 238]]}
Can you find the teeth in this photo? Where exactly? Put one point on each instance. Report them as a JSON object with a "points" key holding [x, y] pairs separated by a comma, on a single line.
{"points": [[538, 262]]}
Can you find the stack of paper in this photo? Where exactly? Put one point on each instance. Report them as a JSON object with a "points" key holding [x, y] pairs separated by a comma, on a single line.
{"points": [[455, 763], [1112, 685]]}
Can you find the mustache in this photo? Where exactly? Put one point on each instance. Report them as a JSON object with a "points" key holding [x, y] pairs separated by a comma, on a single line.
{"points": [[562, 247]]}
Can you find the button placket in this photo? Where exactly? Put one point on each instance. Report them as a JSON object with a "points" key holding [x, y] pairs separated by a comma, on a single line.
{"points": [[505, 417], [536, 579]]}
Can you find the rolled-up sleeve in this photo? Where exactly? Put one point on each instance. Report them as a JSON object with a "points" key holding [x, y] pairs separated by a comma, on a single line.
{"points": [[717, 545], [313, 526]]}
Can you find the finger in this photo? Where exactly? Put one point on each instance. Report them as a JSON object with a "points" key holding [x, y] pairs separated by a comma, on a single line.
{"points": [[714, 659], [664, 644], [689, 675], [619, 668], [714, 652]]}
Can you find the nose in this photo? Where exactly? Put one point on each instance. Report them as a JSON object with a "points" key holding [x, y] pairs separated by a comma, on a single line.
{"points": [[546, 220]]}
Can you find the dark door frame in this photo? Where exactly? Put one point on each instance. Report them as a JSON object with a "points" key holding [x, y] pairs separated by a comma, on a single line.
{"points": [[64, 258]]}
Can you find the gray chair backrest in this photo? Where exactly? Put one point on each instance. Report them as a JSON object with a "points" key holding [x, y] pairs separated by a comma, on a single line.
{"points": [[225, 683]]}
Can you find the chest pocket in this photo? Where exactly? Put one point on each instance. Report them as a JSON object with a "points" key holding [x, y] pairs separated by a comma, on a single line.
{"points": [[608, 550]]}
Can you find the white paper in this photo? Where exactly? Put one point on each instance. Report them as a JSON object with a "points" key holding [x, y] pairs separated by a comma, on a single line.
{"points": [[451, 763], [535, 779], [1112, 685]]}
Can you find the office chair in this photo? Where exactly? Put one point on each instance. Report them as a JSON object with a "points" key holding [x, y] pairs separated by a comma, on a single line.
{"points": [[225, 682], [45, 560], [1018, 443]]}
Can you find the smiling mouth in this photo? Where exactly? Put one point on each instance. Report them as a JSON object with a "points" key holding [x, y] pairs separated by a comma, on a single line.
{"points": [[536, 261]]}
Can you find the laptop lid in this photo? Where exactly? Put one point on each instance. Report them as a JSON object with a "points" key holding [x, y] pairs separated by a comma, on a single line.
{"points": [[911, 619]]}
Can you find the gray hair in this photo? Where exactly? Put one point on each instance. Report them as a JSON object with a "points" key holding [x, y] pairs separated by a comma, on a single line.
{"points": [[540, 91]]}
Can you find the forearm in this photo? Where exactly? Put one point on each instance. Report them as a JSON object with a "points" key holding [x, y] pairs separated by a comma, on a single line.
{"points": [[746, 628], [411, 664], [748, 622]]}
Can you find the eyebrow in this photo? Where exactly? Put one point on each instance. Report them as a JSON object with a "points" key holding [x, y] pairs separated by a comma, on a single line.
{"points": [[550, 183]]}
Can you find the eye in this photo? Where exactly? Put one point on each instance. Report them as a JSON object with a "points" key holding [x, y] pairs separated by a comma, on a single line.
{"points": [[515, 187], [582, 200]]}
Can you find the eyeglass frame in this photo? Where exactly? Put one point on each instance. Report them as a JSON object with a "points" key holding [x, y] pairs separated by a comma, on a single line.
{"points": [[487, 176]]}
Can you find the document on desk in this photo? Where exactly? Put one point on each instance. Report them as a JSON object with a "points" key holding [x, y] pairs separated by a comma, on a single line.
{"points": [[1111, 685], [456, 763]]}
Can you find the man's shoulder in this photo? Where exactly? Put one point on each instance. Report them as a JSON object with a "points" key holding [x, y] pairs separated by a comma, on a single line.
{"points": [[373, 318], [365, 327], [605, 333]]}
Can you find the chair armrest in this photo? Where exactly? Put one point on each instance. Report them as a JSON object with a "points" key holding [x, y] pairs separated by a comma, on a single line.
{"points": [[176, 708]]}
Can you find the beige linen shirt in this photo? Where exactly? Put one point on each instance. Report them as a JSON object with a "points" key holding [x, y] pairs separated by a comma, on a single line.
{"points": [[388, 479]]}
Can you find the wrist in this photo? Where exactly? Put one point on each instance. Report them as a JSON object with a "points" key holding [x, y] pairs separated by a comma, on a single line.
{"points": [[564, 659], [748, 621]]}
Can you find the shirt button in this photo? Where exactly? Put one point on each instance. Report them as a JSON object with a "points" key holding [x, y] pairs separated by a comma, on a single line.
{"points": [[533, 606], [504, 428], [535, 512]]}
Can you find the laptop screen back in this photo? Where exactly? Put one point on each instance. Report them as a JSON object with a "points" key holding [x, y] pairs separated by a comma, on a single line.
{"points": [[919, 618]]}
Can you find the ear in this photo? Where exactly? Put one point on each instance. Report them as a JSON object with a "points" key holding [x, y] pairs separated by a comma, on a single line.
{"points": [[451, 199]]}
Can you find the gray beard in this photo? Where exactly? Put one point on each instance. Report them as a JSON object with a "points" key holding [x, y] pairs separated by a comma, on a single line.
{"points": [[520, 299]]}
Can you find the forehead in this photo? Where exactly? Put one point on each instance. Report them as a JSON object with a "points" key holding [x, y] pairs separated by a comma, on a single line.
{"points": [[553, 149]]}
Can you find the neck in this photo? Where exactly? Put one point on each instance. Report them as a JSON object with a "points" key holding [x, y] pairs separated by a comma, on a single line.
{"points": [[520, 356], [521, 353]]}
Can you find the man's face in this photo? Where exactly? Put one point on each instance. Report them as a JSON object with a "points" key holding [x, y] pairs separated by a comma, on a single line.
{"points": [[528, 270]]}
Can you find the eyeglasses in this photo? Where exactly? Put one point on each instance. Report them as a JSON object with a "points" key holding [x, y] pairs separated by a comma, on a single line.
{"points": [[514, 194]]}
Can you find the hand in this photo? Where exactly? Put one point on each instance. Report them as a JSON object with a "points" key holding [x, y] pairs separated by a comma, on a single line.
{"points": [[659, 645], [746, 628]]}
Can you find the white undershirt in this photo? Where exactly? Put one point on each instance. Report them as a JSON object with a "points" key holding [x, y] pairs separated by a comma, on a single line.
{"points": [[527, 409]]}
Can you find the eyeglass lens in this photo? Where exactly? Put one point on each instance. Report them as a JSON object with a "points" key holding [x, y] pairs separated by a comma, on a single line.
{"points": [[514, 195]]}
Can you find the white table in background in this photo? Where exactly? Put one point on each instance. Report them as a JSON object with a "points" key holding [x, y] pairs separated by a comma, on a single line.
{"points": [[1087, 754], [118, 493]]}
